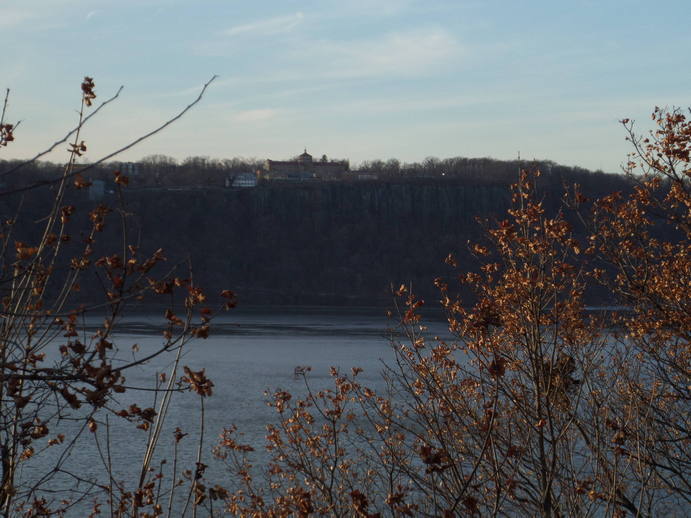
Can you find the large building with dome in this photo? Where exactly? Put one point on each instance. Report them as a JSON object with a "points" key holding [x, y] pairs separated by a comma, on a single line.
{"points": [[304, 167]]}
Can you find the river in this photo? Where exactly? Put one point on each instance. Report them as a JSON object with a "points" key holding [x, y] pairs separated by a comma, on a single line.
{"points": [[247, 353]]}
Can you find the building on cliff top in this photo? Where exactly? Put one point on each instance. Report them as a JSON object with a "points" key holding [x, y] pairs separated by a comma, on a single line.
{"points": [[242, 180], [304, 167]]}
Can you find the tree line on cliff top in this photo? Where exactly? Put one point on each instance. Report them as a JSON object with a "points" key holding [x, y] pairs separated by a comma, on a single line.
{"points": [[200, 171]]}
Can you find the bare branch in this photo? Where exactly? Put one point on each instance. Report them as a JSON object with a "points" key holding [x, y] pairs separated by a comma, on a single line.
{"points": [[62, 140], [118, 151]]}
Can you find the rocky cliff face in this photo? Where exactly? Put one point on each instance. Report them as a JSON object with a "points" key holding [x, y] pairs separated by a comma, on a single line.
{"points": [[307, 243], [318, 243]]}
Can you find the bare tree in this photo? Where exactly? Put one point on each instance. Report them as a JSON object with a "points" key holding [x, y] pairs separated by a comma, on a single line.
{"points": [[61, 370]]}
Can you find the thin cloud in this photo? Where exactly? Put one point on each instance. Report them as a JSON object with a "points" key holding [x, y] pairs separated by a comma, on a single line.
{"points": [[91, 14], [398, 53], [405, 105], [258, 115], [274, 25], [12, 18], [359, 8]]}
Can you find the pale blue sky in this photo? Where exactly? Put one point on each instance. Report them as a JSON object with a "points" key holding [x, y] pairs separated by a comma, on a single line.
{"points": [[352, 79]]}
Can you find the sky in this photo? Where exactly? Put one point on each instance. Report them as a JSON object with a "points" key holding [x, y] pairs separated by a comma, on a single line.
{"points": [[353, 79]]}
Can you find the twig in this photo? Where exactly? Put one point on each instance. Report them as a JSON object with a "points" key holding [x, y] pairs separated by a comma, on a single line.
{"points": [[4, 106], [191, 497], [62, 140], [118, 151]]}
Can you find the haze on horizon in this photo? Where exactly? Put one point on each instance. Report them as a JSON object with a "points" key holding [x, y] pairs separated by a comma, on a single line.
{"points": [[357, 79]]}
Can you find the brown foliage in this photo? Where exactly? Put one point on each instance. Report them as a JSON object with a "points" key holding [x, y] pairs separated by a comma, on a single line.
{"points": [[538, 408], [41, 312]]}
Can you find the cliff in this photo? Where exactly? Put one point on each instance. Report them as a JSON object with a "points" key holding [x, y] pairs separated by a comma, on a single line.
{"points": [[311, 242]]}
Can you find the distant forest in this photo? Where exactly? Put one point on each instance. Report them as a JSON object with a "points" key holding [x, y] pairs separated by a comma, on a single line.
{"points": [[300, 243], [162, 170]]}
